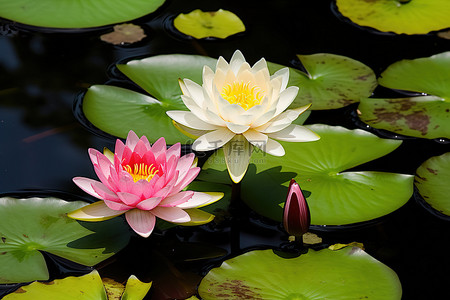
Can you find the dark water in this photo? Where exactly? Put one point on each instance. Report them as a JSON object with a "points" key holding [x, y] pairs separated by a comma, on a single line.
{"points": [[43, 146]]}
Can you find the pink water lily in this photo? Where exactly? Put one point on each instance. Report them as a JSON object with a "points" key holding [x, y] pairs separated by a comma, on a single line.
{"points": [[144, 182]]}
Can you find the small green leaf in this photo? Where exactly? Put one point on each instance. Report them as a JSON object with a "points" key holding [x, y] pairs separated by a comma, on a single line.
{"points": [[410, 17], [199, 24]]}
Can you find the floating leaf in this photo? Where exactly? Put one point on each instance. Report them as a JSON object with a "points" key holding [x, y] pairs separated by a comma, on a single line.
{"points": [[333, 81], [86, 287], [124, 34], [199, 24], [31, 225], [421, 116], [337, 197], [410, 17], [117, 110], [349, 273], [75, 14], [432, 180]]}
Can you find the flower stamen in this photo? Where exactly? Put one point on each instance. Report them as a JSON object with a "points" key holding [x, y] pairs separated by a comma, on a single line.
{"points": [[244, 94], [141, 171]]}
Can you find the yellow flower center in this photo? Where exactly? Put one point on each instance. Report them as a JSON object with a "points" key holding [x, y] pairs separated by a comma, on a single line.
{"points": [[244, 94], [141, 171]]}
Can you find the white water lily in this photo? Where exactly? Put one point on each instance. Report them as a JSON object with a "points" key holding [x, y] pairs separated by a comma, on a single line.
{"points": [[240, 107]]}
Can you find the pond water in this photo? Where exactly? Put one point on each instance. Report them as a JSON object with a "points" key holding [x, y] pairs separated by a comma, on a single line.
{"points": [[44, 145]]}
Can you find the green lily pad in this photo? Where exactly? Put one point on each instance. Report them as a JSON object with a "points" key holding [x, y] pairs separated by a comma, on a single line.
{"points": [[432, 180], [409, 17], [117, 110], [333, 81], [86, 287], [349, 273], [421, 116], [199, 24], [337, 197], [31, 225], [75, 14]]}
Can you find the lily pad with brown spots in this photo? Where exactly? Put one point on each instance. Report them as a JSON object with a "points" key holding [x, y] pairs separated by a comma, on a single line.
{"points": [[333, 81], [419, 116], [349, 273]]}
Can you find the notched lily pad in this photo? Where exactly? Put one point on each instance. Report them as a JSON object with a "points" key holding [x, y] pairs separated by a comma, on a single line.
{"points": [[420, 116], [86, 287], [261, 274], [76, 14], [409, 17], [199, 24], [117, 110], [28, 226], [432, 181], [333, 81], [337, 197], [124, 34]]}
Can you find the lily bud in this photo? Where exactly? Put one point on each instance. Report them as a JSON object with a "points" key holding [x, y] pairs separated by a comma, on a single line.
{"points": [[296, 217]]}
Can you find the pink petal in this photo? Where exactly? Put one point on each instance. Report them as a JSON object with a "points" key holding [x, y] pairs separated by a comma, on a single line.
{"points": [[86, 185], [149, 203], [171, 214], [198, 199], [132, 140], [177, 199], [93, 155], [117, 206], [104, 192], [119, 148], [171, 166], [140, 148], [185, 163], [142, 222], [128, 198], [159, 147], [188, 178], [175, 150]]}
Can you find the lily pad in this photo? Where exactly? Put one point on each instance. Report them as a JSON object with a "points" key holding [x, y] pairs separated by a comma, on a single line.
{"points": [[86, 287], [420, 116], [349, 273], [117, 110], [31, 225], [199, 24], [409, 17], [432, 180], [333, 81], [337, 197], [75, 14], [124, 34]]}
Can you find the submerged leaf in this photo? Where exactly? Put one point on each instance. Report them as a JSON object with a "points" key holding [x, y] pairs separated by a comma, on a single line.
{"points": [[199, 24], [124, 34]]}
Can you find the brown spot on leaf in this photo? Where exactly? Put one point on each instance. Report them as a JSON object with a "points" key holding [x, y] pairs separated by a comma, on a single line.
{"points": [[124, 34], [48, 283], [432, 171], [363, 77], [25, 236], [3, 253], [3, 239], [239, 289], [20, 291], [418, 121]]}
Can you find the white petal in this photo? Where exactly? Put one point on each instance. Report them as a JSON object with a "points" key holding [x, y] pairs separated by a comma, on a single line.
{"points": [[213, 140], [197, 200], [237, 157], [232, 112], [196, 91], [188, 119], [222, 65], [295, 133], [171, 214], [286, 98], [283, 120], [256, 138], [192, 133], [274, 148], [284, 74], [260, 65], [237, 129], [264, 118], [236, 61]]}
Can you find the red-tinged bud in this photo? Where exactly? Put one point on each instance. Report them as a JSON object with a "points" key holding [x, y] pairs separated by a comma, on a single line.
{"points": [[296, 218]]}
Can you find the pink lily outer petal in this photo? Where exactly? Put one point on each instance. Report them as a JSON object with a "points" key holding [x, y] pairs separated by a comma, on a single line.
{"points": [[117, 206], [197, 199], [177, 199], [149, 204], [132, 140], [129, 199], [97, 211], [142, 222], [86, 185], [171, 214]]}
